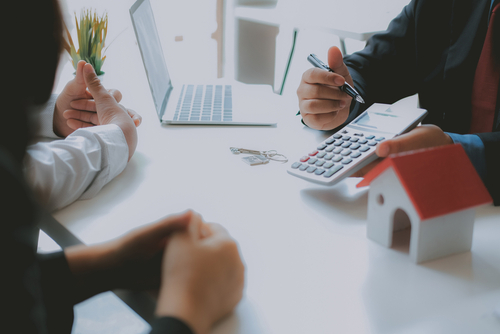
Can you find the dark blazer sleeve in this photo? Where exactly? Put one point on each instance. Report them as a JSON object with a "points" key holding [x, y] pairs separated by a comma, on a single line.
{"points": [[385, 70], [170, 325], [491, 142]]}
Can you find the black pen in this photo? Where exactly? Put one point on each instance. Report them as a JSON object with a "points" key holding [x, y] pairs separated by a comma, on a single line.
{"points": [[346, 88]]}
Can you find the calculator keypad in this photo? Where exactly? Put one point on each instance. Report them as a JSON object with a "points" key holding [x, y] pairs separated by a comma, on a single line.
{"points": [[337, 152]]}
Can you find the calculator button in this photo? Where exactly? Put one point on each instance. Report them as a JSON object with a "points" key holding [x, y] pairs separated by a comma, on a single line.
{"points": [[311, 169], [337, 150], [333, 170], [363, 141], [312, 161], [346, 145], [321, 154], [313, 153], [338, 143], [370, 137], [355, 146], [330, 148], [358, 134], [329, 156], [320, 163], [296, 165], [319, 171], [372, 143], [355, 155], [303, 167], [304, 158], [379, 138], [346, 137], [344, 131], [337, 136], [328, 164], [346, 161], [321, 147], [364, 148], [345, 153], [354, 139], [337, 158], [330, 140]]}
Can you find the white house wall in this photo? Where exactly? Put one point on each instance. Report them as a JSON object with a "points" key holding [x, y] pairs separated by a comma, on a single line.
{"points": [[380, 217], [445, 235]]}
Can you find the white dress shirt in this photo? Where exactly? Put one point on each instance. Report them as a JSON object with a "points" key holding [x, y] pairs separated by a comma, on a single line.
{"points": [[63, 170]]}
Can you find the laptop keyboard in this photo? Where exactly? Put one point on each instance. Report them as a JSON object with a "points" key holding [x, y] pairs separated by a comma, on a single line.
{"points": [[206, 103]]}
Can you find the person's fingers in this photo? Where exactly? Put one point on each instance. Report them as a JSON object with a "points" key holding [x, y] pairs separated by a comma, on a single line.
{"points": [[218, 233], [135, 116], [84, 104], [317, 91], [77, 124], [336, 62], [79, 79], [94, 84], [321, 106], [170, 224], [319, 76], [84, 116], [424, 136], [116, 94], [195, 226], [325, 121]]}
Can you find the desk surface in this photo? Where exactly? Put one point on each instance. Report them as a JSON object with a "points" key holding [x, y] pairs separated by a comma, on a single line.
{"points": [[310, 266]]}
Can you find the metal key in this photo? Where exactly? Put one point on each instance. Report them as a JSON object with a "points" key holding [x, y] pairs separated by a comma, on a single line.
{"points": [[236, 150]]}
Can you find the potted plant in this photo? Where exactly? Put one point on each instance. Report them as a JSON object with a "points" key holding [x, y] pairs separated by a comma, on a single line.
{"points": [[91, 33]]}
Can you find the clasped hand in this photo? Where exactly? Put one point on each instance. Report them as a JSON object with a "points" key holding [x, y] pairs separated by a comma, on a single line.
{"points": [[196, 265]]}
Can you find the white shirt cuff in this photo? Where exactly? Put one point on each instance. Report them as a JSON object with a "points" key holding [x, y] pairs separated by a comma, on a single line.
{"points": [[114, 158]]}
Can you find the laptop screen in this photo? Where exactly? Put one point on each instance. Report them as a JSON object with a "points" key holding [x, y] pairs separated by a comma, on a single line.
{"points": [[152, 54]]}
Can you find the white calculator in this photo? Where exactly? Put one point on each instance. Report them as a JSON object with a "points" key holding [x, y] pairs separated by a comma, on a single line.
{"points": [[353, 147]]}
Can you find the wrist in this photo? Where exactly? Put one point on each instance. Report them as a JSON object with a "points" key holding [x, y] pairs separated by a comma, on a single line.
{"points": [[181, 307]]}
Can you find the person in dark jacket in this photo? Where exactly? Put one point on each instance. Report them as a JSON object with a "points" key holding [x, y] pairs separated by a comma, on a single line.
{"points": [[443, 50]]}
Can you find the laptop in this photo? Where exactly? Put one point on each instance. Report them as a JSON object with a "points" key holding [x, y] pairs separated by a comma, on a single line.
{"points": [[204, 104]]}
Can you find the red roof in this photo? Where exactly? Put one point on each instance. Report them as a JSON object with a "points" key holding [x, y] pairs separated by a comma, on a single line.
{"points": [[438, 181]]}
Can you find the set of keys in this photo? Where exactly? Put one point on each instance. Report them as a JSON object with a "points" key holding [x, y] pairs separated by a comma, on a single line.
{"points": [[259, 157]]}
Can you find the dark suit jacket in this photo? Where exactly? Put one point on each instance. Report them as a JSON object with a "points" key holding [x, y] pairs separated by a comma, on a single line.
{"points": [[431, 48]]}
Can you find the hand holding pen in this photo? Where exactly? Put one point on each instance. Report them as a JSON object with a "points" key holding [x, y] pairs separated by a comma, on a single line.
{"points": [[346, 88], [323, 97]]}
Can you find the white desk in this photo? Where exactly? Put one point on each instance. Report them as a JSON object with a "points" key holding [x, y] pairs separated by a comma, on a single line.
{"points": [[310, 267]]}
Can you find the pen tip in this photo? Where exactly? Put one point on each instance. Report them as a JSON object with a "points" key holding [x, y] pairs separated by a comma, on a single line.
{"points": [[360, 99]]}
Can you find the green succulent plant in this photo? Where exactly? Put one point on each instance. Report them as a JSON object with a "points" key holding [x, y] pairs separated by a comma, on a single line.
{"points": [[91, 32]]}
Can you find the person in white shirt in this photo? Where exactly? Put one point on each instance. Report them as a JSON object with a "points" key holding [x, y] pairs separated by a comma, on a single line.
{"points": [[100, 137]]}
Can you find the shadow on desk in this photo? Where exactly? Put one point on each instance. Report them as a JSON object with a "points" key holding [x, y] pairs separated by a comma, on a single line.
{"points": [[342, 198]]}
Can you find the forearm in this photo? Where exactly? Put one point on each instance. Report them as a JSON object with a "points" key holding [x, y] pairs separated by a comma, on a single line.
{"points": [[92, 269], [62, 171]]}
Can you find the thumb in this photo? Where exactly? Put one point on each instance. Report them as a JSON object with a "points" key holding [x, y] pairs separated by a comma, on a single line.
{"points": [[336, 62], [195, 228], [93, 83], [79, 79]]}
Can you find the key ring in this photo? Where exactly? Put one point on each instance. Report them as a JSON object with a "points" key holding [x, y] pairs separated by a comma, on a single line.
{"points": [[275, 156]]}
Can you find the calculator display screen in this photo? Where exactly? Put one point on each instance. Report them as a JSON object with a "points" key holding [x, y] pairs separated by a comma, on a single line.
{"points": [[382, 121]]}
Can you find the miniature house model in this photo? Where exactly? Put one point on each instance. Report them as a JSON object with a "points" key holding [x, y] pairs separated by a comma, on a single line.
{"points": [[435, 191]]}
